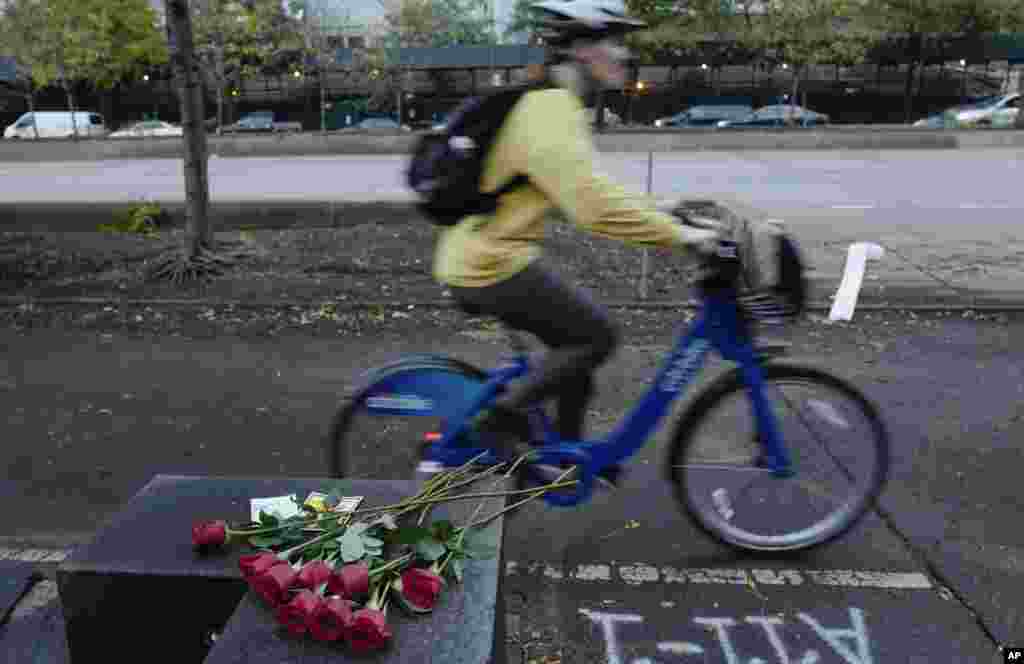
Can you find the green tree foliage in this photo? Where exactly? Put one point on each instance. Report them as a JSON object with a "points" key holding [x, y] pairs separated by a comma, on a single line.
{"points": [[233, 39], [801, 33], [921, 29], [423, 23], [68, 41]]}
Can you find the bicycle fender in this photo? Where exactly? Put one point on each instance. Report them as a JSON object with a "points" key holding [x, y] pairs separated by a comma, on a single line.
{"points": [[423, 384]]}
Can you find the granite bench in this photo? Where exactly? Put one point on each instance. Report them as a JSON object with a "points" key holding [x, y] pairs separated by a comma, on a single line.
{"points": [[140, 579]]}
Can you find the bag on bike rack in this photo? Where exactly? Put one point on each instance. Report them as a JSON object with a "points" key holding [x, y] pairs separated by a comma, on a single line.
{"points": [[772, 281]]}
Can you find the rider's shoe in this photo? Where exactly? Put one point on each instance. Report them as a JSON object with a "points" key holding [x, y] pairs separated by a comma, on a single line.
{"points": [[505, 431]]}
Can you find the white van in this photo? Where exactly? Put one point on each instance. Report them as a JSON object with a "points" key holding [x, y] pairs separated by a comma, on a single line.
{"points": [[57, 124]]}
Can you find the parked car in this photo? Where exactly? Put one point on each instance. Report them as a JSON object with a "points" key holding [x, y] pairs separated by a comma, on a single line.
{"points": [[376, 124], [442, 123], [998, 110], [57, 124], [779, 115], [261, 121], [148, 129], [705, 116]]}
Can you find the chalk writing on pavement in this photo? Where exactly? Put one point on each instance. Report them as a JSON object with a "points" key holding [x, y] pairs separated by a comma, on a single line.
{"points": [[849, 644]]}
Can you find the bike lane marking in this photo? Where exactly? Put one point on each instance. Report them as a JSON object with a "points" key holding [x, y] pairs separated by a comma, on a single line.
{"points": [[635, 574], [638, 613]]}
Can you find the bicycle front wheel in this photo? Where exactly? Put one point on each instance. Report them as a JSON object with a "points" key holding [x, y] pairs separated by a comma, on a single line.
{"points": [[835, 438], [381, 429]]}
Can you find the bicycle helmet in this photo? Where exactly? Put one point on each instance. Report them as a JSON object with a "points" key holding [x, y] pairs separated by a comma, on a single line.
{"points": [[562, 22]]}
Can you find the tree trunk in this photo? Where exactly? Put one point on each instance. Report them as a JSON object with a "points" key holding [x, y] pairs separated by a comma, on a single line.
{"points": [[220, 91], [71, 107], [32, 109], [179, 27], [323, 100], [908, 92], [797, 71]]}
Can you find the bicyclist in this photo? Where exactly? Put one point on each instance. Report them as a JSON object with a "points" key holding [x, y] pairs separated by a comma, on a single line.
{"points": [[492, 264]]}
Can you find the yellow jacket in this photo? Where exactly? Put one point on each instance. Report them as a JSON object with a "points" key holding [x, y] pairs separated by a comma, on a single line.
{"points": [[546, 137]]}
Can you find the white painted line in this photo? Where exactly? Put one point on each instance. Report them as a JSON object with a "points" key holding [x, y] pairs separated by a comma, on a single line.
{"points": [[983, 206], [856, 578], [638, 574], [680, 648], [853, 207], [34, 555]]}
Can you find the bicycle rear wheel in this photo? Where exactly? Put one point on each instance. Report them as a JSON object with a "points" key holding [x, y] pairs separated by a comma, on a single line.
{"points": [[381, 429], [834, 435]]}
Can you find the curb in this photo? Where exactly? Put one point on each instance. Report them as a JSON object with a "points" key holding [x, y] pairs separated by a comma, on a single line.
{"points": [[991, 306], [641, 139], [86, 217]]}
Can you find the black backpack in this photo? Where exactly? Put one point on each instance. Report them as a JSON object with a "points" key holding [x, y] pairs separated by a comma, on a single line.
{"points": [[446, 167]]}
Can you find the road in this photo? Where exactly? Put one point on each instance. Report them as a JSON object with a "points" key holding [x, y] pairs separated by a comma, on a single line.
{"points": [[890, 180], [90, 415]]}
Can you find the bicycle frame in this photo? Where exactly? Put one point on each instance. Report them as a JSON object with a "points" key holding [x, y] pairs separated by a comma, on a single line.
{"points": [[719, 326]]}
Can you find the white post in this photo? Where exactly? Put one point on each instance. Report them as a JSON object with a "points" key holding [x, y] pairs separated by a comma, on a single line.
{"points": [[845, 300], [645, 260]]}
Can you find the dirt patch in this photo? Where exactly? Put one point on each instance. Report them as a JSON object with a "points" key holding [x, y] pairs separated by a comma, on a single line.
{"points": [[369, 262]]}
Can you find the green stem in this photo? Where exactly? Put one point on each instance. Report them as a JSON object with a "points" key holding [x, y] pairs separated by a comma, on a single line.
{"points": [[538, 492], [480, 476], [288, 553], [497, 494], [462, 535], [394, 563], [305, 521]]}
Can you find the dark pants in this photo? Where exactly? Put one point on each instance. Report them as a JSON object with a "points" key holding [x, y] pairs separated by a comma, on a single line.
{"points": [[578, 332]]}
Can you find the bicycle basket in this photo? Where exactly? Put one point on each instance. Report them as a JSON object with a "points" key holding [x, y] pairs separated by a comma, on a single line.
{"points": [[772, 285]]}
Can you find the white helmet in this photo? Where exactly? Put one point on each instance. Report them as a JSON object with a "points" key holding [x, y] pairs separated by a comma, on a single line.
{"points": [[565, 20]]}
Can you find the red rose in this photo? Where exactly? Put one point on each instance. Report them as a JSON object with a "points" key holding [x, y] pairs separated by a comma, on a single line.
{"points": [[314, 574], [369, 631], [350, 581], [332, 619], [273, 585], [298, 615], [420, 588], [257, 563], [209, 534]]}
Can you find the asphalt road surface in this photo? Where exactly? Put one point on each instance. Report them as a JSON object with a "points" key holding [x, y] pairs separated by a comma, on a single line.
{"points": [[90, 415], [862, 180]]}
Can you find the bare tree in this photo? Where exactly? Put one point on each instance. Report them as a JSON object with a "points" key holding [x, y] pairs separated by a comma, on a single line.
{"points": [[196, 258]]}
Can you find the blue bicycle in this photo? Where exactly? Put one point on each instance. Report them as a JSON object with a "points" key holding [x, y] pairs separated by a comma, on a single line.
{"points": [[737, 462]]}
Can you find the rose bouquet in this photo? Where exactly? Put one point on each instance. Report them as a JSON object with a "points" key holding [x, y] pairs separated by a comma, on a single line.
{"points": [[332, 576]]}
